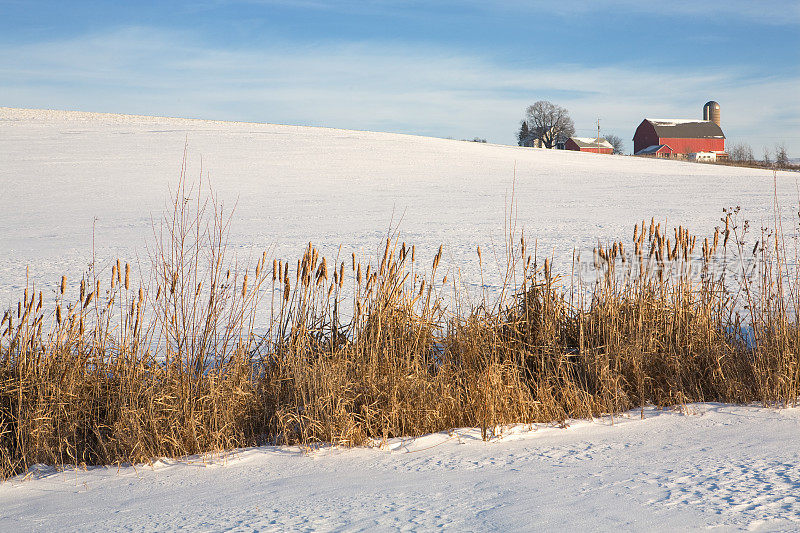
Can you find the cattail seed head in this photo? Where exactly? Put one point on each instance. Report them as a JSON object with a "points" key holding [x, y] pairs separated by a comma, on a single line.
{"points": [[275, 268], [287, 288], [127, 276], [63, 284], [437, 257], [385, 253], [322, 271], [58, 314], [244, 286]]}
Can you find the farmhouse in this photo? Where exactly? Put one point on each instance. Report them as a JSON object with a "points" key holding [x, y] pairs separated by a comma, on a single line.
{"points": [[589, 144], [683, 137]]}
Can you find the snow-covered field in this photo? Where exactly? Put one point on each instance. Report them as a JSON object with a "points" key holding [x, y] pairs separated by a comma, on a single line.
{"points": [[710, 466], [70, 181], [78, 185]]}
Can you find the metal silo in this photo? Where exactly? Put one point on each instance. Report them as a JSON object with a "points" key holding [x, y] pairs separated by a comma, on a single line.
{"points": [[711, 112]]}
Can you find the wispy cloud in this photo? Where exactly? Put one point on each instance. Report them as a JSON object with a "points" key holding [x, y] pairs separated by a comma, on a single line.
{"points": [[414, 89], [777, 12]]}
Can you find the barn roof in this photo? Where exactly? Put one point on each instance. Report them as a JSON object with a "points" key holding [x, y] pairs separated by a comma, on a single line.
{"points": [[676, 128], [591, 142]]}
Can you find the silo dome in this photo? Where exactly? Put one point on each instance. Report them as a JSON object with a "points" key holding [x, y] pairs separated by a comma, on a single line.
{"points": [[711, 112]]}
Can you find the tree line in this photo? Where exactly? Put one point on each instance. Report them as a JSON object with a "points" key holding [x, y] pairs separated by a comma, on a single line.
{"points": [[743, 153]]}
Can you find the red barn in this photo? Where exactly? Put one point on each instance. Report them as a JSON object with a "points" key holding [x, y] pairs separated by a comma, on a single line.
{"points": [[588, 144], [681, 135]]}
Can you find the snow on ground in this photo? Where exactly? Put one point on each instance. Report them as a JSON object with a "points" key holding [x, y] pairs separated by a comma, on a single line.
{"points": [[77, 184], [710, 466], [70, 181]]}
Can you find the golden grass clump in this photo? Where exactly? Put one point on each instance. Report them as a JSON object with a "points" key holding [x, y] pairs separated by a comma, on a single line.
{"points": [[186, 364]]}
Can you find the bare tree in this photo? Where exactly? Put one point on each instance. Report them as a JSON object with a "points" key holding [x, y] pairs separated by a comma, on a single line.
{"points": [[741, 153], [549, 122], [767, 160], [616, 142]]}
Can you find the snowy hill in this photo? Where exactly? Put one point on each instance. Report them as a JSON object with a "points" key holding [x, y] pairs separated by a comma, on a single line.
{"points": [[71, 181], [74, 186]]}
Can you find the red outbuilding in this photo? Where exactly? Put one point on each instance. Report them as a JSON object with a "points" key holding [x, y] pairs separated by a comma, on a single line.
{"points": [[589, 144], [680, 135], [658, 150]]}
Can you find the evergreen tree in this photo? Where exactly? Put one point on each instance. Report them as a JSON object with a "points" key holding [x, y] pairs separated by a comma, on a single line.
{"points": [[523, 133], [781, 158]]}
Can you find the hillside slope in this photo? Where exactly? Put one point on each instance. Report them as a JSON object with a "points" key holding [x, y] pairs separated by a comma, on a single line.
{"points": [[77, 185]]}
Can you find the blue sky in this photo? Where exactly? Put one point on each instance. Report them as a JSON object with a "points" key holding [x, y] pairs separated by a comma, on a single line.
{"points": [[449, 69]]}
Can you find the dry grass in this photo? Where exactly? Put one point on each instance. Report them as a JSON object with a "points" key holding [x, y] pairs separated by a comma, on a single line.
{"points": [[123, 373]]}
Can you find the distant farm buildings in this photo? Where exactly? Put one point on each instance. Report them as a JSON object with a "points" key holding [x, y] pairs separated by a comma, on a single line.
{"points": [[698, 140], [589, 144]]}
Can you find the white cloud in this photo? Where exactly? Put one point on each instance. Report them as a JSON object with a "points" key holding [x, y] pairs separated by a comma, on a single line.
{"points": [[410, 89]]}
